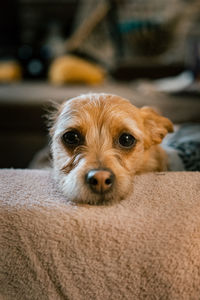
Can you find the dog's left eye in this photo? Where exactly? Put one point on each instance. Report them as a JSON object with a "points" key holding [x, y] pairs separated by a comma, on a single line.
{"points": [[126, 140], [72, 138]]}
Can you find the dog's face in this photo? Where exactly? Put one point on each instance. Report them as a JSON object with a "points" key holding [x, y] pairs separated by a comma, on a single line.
{"points": [[99, 142]]}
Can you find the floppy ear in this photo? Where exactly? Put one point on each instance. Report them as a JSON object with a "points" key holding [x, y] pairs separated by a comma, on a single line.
{"points": [[156, 127]]}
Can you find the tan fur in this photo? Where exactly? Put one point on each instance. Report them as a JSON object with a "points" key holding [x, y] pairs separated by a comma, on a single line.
{"points": [[101, 118]]}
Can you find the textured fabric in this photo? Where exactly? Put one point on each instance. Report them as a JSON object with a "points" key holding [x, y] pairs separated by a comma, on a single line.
{"points": [[145, 247], [183, 148]]}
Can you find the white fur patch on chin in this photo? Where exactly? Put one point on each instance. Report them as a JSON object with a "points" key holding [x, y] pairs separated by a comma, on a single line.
{"points": [[75, 190]]}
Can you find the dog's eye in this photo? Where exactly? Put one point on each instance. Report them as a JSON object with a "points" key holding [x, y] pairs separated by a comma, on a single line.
{"points": [[72, 138], [126, 140]]}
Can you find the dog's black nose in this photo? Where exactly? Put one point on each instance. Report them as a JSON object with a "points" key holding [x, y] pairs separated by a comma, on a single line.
{"points": [[99, 180]]}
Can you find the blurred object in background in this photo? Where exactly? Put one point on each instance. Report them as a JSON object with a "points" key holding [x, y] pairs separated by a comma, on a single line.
{"points": [[43, 27], [138, 38], [91, 35], [33, 32], [131, 39], [72, 69], [10, 71], [193, 48]]}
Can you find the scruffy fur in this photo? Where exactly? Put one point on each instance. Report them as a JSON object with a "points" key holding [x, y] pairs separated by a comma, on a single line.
{"points": [[101, 118]]}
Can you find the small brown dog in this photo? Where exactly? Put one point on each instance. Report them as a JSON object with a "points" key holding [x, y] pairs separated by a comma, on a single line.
{"points": [[100, 141]]}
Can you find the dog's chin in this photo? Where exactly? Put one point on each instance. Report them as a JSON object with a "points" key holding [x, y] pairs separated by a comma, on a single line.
{"points": [[93, 199], [89, 197], [100, 199]]}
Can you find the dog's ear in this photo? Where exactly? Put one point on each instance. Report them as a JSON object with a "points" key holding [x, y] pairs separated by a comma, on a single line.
{"points": [[156, 126]]}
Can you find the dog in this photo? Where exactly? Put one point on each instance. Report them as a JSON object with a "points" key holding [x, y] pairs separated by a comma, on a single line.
{"points": [[99, 142]]}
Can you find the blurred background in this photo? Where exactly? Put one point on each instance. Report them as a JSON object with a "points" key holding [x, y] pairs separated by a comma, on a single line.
{"points": [[146, 51]]}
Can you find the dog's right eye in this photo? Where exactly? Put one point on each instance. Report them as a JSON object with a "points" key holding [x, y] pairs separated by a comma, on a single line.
{"points": [[126, 140], [72, 138]]}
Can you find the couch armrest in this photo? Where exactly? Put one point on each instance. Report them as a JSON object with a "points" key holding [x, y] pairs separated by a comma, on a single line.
{"points": [[144, 247]]}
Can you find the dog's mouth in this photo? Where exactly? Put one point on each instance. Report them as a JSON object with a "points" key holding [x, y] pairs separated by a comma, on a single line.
{"points": [[105, 198], [115, 195], [108, 198], [101, 199]]}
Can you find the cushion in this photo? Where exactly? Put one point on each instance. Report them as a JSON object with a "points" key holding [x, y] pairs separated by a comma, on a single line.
{"points": [[144, 247]]}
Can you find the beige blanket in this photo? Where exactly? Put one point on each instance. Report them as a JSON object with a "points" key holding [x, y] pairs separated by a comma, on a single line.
{"points": [[145, 247]]}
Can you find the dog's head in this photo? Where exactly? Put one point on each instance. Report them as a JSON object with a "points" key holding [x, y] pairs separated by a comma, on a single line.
{"points": [[99, 141]]}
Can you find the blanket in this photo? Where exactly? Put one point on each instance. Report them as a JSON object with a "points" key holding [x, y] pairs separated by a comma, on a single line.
{"points": [[145, 247], [183, 148]]}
